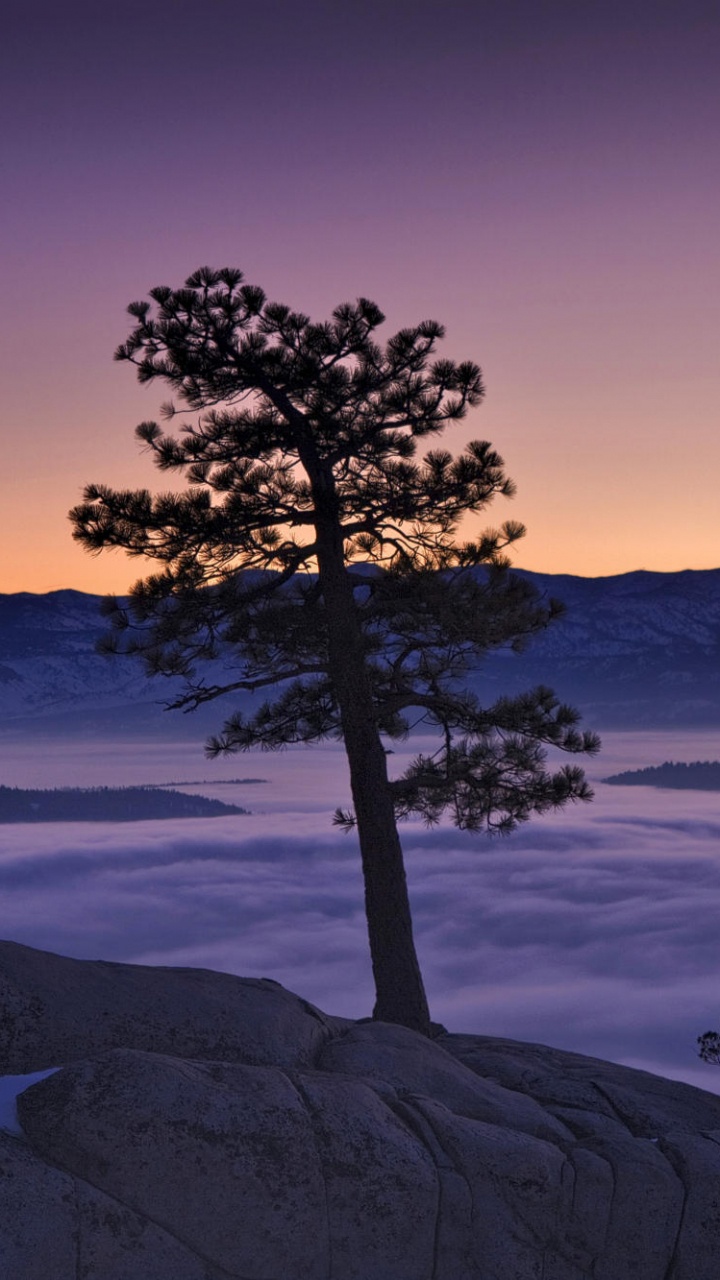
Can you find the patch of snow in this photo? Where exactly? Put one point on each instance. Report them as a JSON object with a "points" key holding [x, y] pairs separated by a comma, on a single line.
{"points": [[10, 1087]]}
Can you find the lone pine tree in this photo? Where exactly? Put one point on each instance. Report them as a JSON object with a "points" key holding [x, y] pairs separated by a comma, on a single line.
{"points": [[316, 553]]}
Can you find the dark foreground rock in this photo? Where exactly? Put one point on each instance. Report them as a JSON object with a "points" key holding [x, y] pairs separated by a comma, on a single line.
{"points": [[206, 1127]]}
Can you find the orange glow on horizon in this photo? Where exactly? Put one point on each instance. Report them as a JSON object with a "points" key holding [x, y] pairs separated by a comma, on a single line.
{"points": [[556, 211]]}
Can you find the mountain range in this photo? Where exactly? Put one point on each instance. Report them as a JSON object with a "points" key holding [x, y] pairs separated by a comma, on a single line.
{"points": [[638, 650]]}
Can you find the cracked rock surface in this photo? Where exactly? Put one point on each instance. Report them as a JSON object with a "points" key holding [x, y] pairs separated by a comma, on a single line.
{"points": [[207, 1127]]}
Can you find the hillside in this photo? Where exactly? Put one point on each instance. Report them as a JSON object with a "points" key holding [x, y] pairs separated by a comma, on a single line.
{"points": [[639, 650], [700, 775], [106, 804]]}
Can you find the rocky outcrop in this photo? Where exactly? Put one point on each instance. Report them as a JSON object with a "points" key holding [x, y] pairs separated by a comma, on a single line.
{"points": [[280, 1144], [53, 1009]]}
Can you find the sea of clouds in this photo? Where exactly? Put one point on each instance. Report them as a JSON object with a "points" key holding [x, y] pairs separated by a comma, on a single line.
{"points": [[595, 929]]}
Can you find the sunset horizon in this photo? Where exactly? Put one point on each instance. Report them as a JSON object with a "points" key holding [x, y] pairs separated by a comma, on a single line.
{"points": [[535, 178]]}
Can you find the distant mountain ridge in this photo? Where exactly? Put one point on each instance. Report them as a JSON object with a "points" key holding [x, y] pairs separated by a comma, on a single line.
{"points": [[638, 650], [697, 775], [107, 804]]}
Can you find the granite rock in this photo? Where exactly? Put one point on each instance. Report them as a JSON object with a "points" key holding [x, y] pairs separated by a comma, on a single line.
{"points": [[54, 1009], [267, 1141]]}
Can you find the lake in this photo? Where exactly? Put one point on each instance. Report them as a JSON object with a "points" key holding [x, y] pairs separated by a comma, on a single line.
{"points": [[595, 929]]}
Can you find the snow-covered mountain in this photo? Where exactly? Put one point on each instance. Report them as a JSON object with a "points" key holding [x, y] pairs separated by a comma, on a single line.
{"points": [[52, 679], [637, 650]]}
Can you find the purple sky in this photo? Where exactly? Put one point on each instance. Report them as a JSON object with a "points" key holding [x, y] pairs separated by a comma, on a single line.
{"points": [[539, 176]]}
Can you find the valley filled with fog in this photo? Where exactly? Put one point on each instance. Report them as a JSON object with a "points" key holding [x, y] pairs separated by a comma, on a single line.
{"points": [[594, 929]]}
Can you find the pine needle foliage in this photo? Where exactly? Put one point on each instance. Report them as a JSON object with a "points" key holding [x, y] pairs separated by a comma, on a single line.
{"points": [[709, 1047], [315, 553]]}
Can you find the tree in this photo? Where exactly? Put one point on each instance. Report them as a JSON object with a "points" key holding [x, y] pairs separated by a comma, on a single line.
{"points": [[709, 1047], [316, 551]]}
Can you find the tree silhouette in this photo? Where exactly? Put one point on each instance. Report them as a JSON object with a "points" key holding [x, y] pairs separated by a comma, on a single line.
{"points": [[316, 553], [709, 1047]]}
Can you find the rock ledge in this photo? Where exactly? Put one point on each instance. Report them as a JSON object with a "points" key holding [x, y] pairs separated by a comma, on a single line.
{"points": [[208, 1127]]}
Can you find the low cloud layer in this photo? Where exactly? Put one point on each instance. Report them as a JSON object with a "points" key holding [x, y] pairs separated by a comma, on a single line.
{"points": [[595, 930]]}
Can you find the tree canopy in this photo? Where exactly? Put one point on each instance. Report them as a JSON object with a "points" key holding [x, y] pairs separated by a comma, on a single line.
{"points": [[316, 554]]}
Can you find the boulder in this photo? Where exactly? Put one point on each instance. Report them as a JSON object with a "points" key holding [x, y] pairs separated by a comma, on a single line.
{"points": [[54, 1009], [293, 1146], [411, 1064], [222, 1156], [574, 1086], [54, 1226]]}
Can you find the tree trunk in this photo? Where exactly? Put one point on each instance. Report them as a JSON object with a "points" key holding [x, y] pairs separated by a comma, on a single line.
{"points": [[400, 994]]}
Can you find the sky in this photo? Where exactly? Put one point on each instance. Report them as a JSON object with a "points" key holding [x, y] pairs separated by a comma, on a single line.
{"points": [[593, 930], [539, 175]]}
